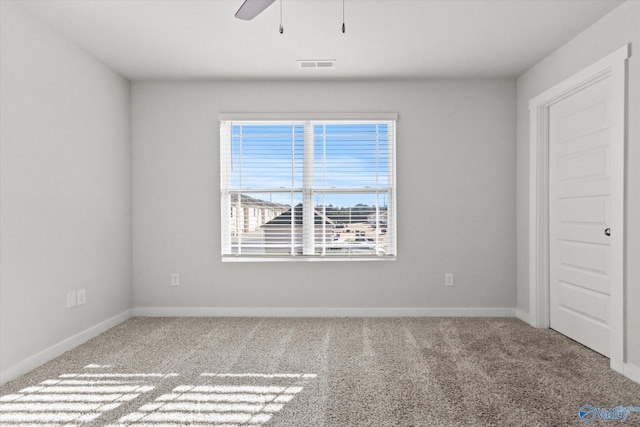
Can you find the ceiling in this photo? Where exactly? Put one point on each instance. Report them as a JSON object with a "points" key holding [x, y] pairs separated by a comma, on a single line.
{"points": [[390, 39]]}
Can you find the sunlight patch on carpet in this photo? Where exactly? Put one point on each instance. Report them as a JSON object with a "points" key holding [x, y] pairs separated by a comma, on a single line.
{"points": [[218, 404], [68, 402], [76, 398]]}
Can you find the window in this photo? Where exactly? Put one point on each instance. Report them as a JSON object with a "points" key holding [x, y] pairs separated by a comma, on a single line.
{"points": [[307, 188]]}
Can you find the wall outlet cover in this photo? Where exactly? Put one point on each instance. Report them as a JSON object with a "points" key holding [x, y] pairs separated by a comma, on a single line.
{"points": [[82, 296], [448, 279], [71, 299]]}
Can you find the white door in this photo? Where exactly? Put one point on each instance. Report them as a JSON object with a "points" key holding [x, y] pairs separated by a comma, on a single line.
{"points": [[579, 216]]}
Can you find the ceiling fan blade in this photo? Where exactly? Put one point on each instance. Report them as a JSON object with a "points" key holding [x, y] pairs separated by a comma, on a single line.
{"points": [[252, 8]]}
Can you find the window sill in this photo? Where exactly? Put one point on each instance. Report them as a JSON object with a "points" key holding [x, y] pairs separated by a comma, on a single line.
{"points": [[303, 258]]}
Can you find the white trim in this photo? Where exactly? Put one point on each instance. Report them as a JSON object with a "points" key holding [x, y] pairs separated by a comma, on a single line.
{"points": [[320, 312], [612, 66], [617, 200], [225, 202], [306, 116], [58, 349], [632, 372], [304, 258], [522, 315]]}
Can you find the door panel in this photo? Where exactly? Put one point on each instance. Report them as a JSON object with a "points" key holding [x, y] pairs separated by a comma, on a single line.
{"points": [[584, 256], [585, 164], [579, 205], [580, 121], [583, 210], [590, 141], [587, 279], [581, 233], [584, 301]]}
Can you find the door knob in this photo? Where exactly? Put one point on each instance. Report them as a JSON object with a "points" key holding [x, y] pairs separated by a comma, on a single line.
{"points": [[607, 232]]}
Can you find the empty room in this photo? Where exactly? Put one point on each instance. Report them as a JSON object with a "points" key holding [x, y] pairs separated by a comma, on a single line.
{"points": [[319, 213]]}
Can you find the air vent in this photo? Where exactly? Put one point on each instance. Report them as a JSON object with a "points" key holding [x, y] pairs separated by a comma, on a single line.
{"points": [[317, 63]]}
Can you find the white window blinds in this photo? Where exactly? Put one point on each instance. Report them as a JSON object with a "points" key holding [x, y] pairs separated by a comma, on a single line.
{"points": [[308, 188]]}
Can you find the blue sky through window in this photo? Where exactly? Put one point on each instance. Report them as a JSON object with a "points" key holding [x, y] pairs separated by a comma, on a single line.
{"points": [[346, 156]]}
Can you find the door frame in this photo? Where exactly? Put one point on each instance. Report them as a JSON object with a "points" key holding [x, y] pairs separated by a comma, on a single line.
{"points": [[612, 66]]}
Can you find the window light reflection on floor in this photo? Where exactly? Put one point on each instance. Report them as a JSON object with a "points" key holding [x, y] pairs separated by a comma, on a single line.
{"points": [[64, 400], [76, 398], [217, 405]]}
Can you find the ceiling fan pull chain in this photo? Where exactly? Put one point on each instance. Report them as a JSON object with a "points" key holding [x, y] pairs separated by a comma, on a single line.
{"points": [[343, 26], [281, 27]]}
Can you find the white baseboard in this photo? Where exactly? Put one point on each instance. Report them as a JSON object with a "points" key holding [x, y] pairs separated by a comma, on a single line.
{"points": [[523, 315], [632, 372], [32, 362], [320, 312]]}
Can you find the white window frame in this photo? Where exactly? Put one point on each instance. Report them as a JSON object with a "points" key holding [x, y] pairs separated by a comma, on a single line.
{"points": [[310, 119]]}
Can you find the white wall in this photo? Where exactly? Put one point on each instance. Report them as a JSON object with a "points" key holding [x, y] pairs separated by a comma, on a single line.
{"points": [[456, 197], [619, 27], [65, 190]]}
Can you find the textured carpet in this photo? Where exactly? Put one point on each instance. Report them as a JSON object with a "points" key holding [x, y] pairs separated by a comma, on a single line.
{"points": [[320, 372]]}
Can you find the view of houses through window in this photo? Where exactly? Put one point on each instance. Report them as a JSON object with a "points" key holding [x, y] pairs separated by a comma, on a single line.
{"points": [[307, 188], [258, 226]]}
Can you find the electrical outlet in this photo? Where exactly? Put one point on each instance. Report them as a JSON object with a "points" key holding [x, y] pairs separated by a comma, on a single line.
{"points": [[82, 296], [175, 279], [448, 279], [71, 299]]}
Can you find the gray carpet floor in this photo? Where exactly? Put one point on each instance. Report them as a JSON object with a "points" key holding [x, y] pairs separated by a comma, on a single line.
{"points": [[320, 372]]}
